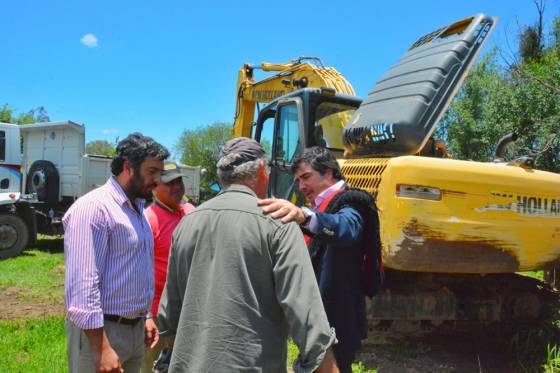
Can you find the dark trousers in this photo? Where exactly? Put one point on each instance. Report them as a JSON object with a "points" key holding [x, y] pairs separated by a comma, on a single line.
{"points": [[344, 359]]}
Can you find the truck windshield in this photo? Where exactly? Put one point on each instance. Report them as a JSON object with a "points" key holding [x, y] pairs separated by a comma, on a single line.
{"points": [[330, 119]]}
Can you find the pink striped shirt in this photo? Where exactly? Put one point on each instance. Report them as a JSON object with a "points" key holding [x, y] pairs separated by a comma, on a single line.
{"points": [[326, 193], [108, 248]]}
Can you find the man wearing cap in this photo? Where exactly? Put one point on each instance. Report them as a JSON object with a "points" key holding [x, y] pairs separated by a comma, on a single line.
{"points": [[239, 282], [164, 215]]}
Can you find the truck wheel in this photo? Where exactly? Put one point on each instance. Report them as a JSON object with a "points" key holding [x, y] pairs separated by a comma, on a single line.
{"points": [[14, 235], [43, 179]]}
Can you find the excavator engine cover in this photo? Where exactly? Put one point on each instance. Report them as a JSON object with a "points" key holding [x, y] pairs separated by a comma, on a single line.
{"points": [[401, 112]]}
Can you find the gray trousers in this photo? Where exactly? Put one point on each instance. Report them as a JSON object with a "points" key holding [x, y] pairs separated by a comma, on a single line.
{"points": [[126, 340]]}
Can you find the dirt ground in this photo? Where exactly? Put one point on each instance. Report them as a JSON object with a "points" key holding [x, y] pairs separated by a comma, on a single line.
{"points": [[437, 352], [14, 307], [399, 349]]}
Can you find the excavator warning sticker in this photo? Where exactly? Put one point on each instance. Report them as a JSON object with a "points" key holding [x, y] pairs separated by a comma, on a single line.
{"points": [[373, 133]]}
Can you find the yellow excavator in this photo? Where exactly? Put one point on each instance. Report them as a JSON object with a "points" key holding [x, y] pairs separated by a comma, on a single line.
{"points": [[454, 233]]}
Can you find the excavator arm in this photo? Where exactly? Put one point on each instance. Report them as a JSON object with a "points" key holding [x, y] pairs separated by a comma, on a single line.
{"points": [[299, 73]]}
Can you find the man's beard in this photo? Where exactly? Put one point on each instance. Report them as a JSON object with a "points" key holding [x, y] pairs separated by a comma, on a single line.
{"points": [[136, 188]]}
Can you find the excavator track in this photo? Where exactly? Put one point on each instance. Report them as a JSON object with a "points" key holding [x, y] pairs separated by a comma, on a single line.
{"points": [[460, 302]]}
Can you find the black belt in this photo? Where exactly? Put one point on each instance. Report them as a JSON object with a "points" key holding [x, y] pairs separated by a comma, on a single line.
{"points": [[122, 320]]}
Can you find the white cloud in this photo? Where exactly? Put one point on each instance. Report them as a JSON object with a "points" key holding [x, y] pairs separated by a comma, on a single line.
{"points": [[89, 40], [109, 131]]}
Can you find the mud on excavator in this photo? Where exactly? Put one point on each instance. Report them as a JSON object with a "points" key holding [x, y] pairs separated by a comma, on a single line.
{"points": [[454, 233]]}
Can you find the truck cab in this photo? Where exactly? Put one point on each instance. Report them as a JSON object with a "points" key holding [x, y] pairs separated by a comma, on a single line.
{"points": [[43, 170], [10, 162]]}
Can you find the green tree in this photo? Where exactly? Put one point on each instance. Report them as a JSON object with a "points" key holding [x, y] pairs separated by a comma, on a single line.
{"points": [[536, 107], [530, 43], [201, 147], [523, 97], [100, 147], [472, 126], [7, 114], [39, 114]]}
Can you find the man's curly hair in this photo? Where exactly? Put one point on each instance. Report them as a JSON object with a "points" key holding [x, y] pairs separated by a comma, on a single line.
{"points": [[135, 148]]}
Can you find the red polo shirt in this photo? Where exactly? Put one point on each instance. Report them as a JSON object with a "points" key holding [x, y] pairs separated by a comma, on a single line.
{"points": [[163, 222]]}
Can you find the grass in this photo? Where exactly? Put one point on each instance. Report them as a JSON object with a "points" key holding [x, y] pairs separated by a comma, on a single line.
{"points": [[33, 345], [539, 275], [37, 273], [358, 367], [39, 345], [552, 364]]}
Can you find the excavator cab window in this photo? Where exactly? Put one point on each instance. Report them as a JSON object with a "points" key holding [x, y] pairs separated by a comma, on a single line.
{"points": [[288, 139], [286, 146], [263, 132], [330, 118]]}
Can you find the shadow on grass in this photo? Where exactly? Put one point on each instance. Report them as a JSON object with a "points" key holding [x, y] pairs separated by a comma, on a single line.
{"points": [[47, 244]]}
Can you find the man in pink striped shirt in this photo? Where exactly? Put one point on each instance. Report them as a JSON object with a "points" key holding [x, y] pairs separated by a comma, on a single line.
{"points": [[108, 248]]}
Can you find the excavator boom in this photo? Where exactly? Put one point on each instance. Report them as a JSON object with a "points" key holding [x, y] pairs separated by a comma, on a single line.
{"points": [[290, 76]]}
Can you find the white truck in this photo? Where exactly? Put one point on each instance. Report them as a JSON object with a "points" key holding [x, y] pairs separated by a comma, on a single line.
{"points": [[43, 170]]}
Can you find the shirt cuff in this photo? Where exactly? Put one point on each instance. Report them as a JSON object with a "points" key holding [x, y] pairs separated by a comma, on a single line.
{"points": [[309, 366], [313, 225], [85, 319]]}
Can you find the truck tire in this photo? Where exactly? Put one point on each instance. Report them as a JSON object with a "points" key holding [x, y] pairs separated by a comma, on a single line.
{"points": [[14, 235], [44, 180]]}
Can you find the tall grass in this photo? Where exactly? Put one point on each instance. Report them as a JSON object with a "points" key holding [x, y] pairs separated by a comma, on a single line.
{"points": [[552, 364]]}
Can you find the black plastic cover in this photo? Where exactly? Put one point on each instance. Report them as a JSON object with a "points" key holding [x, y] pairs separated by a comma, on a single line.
{"points": [[401, 112]]}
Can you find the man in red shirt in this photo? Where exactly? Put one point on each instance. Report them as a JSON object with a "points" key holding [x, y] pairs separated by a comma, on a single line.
{"points": [[164, 215]]}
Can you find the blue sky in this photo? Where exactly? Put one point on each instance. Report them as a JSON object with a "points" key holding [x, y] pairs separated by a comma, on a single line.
{"points": [[160, 67]]}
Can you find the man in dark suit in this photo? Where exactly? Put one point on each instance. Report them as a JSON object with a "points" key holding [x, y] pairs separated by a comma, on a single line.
{"points": [[342, 233]]}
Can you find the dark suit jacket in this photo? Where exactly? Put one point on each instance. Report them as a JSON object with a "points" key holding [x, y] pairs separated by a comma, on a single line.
{"points": [[338, 269]]}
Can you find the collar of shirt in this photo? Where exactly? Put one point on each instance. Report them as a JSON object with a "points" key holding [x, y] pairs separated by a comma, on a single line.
{"points": [[163, 206], [238, 188], [120, 196], [326, 193]]}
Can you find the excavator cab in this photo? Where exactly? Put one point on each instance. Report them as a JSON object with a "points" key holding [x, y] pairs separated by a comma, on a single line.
{"points": [[303, 118]]}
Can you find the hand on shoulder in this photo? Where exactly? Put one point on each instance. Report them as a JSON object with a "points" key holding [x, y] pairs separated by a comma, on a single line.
{"points": [[281, 209]]}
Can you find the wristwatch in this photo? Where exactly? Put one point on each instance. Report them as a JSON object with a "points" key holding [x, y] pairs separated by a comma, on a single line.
{"points": [[307, 214]]}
